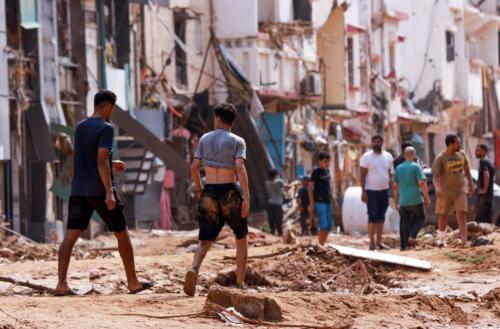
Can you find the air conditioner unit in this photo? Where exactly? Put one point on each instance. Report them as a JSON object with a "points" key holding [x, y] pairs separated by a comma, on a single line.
{"points": [[313, 82]]}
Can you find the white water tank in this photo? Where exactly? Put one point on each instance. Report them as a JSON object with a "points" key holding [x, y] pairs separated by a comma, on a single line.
{"points": [[355, 215]]}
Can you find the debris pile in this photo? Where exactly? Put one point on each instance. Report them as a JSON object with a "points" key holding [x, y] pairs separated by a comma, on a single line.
{"points": [[479, 234], [14, 248], [313, 268]]}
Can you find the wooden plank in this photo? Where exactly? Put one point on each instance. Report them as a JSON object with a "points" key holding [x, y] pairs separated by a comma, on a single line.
{"points": [[382, 257]]}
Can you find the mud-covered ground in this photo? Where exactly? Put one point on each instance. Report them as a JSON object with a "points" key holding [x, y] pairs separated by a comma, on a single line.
{"points": [[313, 286]]}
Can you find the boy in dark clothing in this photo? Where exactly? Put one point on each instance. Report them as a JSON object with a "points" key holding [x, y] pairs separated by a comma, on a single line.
{"points": [[485, 181], [321, 197], [93, 189]]}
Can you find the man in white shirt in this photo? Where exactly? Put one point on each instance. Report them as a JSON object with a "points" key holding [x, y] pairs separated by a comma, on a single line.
{"points": [[376, 177]]}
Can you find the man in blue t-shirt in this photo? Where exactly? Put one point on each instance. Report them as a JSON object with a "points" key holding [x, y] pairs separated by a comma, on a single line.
{"points": [[409, 185], [93, 189]]}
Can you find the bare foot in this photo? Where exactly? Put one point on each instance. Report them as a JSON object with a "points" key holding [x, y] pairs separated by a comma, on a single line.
{"points": [[63, 289], [134, 286]]}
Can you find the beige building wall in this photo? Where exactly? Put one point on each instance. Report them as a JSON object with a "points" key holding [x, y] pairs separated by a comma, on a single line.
{"points": [[331, 50]]}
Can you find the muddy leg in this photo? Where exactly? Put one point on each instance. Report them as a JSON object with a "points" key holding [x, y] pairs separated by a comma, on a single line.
{"points": [[201, 252], [241, 260]]}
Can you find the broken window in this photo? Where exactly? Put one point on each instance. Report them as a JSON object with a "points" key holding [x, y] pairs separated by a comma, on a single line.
{"points": [[63, 28], [180, 19], [350, 61], [302, 10], [450, 46]]}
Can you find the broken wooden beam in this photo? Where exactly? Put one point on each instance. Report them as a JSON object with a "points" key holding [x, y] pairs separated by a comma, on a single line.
{"points": [[27, 284], [383, 257]]}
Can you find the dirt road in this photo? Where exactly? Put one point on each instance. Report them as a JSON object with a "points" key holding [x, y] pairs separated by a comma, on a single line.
{"points": [[459, 292]]}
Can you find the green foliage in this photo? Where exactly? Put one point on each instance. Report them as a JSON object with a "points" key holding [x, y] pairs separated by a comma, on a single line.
{"points": [[469, 260]]}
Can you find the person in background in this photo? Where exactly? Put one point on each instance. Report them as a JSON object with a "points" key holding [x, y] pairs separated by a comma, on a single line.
{"points": [[485, 182], [275, 194], [376, 176], [409, 185], [453, 183], [306, 219], [401, 158], [321, 196]]}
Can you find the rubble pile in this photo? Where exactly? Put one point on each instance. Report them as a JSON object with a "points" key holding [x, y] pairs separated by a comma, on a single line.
{"points": [[479, 234], [312, 268], [14, 248], [17, 248]]}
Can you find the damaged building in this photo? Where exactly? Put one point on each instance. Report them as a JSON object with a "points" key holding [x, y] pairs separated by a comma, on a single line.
{"points": [[304, 75]]}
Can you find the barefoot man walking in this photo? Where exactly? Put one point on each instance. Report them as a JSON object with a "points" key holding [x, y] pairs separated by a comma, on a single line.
{"points": [[93, 189], [221, 200]]}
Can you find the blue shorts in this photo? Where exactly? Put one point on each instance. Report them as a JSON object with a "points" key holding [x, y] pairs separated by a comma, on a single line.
{"points": [[378, 202], [324, 212]]}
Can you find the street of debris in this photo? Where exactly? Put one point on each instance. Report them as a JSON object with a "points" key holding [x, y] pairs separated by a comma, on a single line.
{"points": [[309, 286]]}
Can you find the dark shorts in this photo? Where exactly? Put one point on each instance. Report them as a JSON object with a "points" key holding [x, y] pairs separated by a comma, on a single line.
{"points": [[80, 210], [220, 204], [483, 209], [378, 202]]}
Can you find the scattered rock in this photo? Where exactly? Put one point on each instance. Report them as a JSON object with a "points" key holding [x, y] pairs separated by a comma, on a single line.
{"points": [[251, 305]]}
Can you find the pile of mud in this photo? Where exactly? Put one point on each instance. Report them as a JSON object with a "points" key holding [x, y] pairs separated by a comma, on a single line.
{"points": [[492, 299]]}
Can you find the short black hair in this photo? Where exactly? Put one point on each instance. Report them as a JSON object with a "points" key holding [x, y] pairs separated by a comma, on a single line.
{"points": [[272, 173], [304, 178], [378, 136], [226, 112], [450, 139], [103, 96], [323, 155], [405, 145], [483, 147]]}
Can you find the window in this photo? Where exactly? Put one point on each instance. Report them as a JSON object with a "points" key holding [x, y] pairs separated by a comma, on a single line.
{"points": [[350, 61], [197, 36], [180, 19], [63, 29], [450, 46], [392, 57], [302, 10]]}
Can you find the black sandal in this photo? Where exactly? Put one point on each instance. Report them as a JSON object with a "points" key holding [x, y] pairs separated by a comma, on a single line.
{"points": [[145, 286]]}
